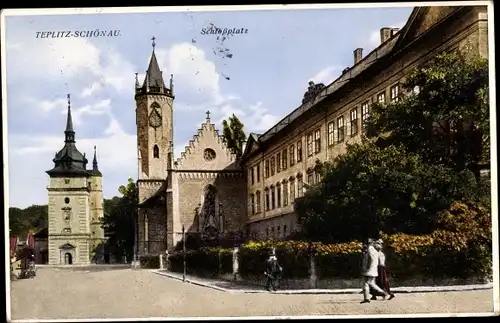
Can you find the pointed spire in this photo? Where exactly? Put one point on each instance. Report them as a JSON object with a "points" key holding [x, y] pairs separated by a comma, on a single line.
{"points": [[154, 78], [94, 162], [69, 132]]}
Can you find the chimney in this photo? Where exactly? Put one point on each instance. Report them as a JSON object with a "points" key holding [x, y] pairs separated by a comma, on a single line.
{"points": [[394, 31], [385, 34], [358, 55]]}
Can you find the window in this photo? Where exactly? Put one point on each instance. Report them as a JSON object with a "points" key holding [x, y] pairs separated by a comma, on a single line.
{"points": [[272, 232], [309, 144], [273, 166], [267, 199], [66, 230], [284, 155], [278, 162], [257, 202], [273, 197], [317, 176], [278, 195], [279, 231], [267, 233], [266, 168], [252, 175], [258, 173], [299, 151], [285, 193], [317, 141], [331, 137], [252, 203], [340, 129], [381, 97], [292, 191], [300, 186], [284, 231], [292, 155], [354, 121], [395, 93], [310, 178], [156, 151], [365, 112]]}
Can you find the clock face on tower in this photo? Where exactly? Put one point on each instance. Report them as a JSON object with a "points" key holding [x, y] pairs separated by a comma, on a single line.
{"points": [[155, 118]]}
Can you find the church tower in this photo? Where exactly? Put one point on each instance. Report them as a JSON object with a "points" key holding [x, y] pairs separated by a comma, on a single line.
{"points": [[69, 212], [154, 120], [154, 116]]}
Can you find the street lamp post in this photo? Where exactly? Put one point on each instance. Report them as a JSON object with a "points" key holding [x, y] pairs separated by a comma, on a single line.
{"points": [[184, 253]]}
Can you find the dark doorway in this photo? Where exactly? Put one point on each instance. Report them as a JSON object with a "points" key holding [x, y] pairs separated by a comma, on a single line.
{"points": [[68, 258]]}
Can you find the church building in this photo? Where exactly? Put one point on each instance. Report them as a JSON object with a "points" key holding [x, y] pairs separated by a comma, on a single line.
{"points": [[203, 191], [75, 205]]}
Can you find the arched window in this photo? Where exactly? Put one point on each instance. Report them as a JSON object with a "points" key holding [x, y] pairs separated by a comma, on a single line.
{"points": [[156, 152]]}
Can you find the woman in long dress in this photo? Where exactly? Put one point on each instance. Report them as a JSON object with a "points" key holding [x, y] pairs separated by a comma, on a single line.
{"points": [[382, 279]]}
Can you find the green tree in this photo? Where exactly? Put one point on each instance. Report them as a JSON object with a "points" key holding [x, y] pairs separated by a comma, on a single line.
{"points": [[234, 135], [371, 189], [32, 218], [442, 115], [119, 220]]}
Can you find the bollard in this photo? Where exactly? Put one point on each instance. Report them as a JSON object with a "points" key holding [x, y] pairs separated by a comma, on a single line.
{"points": [[161, 261], [313, 278]]}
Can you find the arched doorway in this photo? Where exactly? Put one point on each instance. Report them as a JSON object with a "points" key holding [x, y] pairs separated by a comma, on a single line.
{"points": [[68, 258]]}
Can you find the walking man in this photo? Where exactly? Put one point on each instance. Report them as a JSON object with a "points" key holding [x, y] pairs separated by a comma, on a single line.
{"points": [[382, 279], [370, 272], [273, 269]]}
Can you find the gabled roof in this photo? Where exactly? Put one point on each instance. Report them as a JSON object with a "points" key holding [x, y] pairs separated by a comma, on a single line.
{"points": [[421, 20], [253, 139]]}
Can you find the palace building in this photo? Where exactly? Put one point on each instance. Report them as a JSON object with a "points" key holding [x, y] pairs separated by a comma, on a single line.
{"points": [[213, 195], [278, 162]]}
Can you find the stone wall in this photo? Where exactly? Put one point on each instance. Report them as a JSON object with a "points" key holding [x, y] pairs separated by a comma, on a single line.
{"points": [[230, 187]]}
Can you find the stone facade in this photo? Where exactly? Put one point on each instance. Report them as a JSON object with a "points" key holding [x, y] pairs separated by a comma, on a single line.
{"points": [[203, 191], [75, 205], [322, 126]]}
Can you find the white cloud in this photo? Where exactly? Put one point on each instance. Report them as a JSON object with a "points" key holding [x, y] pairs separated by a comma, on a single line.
{"points": [[116, 149], [102, 107], [63, 60], [327, 75]]}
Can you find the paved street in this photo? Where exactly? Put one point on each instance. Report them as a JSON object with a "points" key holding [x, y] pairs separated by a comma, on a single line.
{"points": [[121, 293]]}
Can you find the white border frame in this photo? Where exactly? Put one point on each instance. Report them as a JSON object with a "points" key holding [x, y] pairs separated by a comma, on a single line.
{"points": [[115, 10]]}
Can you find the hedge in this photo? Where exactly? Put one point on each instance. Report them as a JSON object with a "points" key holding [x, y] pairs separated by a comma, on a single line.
{"points": [[207, 262], [442, 254], [150, 261]]}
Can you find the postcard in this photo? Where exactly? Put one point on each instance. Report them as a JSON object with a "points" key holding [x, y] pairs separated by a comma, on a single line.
{"points": [[250, 161]]}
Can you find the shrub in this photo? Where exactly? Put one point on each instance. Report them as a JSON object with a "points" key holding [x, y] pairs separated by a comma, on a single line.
{"points": [[441, 254], [149, 261]]}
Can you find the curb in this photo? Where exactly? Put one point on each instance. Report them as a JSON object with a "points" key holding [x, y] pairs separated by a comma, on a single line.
{"points": [[192, 282], [396, 290]]}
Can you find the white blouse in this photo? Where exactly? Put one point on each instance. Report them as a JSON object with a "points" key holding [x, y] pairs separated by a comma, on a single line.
{"points": [[381, 259]]}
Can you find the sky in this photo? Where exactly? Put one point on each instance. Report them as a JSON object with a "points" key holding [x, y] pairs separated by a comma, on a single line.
{"points": [[261, 81]]}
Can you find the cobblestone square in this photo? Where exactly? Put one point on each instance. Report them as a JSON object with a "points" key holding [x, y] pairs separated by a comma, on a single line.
{"points": [[58, 293]]}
